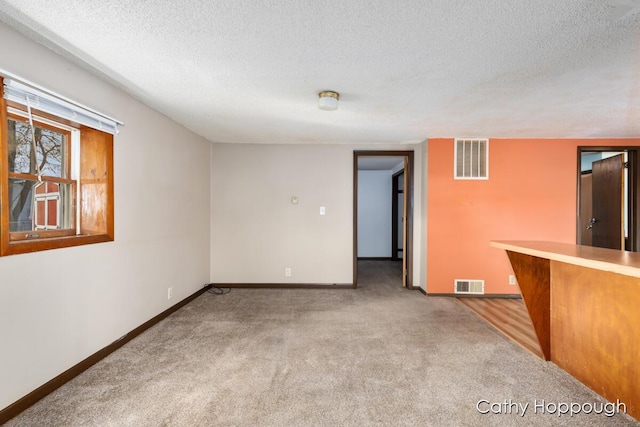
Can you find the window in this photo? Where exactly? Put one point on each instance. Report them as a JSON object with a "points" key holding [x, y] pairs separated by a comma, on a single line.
{"points": [[41, 185], [471, 159], [56, 171]]}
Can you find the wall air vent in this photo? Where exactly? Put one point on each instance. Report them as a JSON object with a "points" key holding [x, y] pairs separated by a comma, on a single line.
{"points": [[471, 159], [468, 286]]}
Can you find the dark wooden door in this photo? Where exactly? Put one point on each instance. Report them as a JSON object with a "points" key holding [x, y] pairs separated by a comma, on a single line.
{"points": [[586, 206], [608, 203]]}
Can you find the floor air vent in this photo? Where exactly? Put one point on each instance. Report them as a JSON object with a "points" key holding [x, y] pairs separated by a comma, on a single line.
{"points": [[469, 286]]}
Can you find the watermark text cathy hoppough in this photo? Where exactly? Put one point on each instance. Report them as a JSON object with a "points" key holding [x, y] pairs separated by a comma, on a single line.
{"points": [[543, 407]]}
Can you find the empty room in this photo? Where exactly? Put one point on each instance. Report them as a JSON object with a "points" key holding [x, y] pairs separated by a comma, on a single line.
{"points": [[300, 213]]}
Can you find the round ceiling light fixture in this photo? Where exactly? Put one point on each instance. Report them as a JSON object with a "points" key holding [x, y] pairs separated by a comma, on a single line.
{"points": [[328, 100]]}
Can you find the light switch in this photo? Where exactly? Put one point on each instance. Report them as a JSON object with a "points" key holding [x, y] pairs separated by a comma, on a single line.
{"points": [[322, 211]]}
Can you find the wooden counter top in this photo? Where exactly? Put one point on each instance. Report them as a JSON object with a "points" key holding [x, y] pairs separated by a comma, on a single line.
{"points": [[615, 261], [583, 303]]}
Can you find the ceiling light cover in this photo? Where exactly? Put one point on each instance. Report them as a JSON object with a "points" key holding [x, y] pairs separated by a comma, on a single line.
{"points": [[328, 100]]}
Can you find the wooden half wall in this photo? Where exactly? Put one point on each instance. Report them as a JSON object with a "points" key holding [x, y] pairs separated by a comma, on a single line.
{"points": [[584, 303]]}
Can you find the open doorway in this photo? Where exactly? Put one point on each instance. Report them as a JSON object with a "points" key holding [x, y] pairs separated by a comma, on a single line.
{"points": [[396, 166], [608, 198], [398, 209]]}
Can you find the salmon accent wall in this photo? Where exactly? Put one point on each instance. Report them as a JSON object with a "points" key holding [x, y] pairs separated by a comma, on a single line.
{"points": [[530, 195]]}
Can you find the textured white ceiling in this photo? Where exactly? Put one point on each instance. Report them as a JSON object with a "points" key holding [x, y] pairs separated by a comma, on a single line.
{"points": [[250, 71]]}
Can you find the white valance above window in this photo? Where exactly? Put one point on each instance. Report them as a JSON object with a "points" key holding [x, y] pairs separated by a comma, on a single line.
{"points": [[35, 97]]}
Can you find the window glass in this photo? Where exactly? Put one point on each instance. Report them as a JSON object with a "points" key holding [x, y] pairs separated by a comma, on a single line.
{"points": [[49, 154], [44, 203]]}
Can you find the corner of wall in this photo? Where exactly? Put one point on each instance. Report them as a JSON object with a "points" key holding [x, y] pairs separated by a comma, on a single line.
{"points": [[424, 155], [211, 203]]}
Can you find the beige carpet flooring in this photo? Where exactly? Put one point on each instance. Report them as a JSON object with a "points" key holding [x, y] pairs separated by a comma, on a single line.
{"points": [[380, 355]]}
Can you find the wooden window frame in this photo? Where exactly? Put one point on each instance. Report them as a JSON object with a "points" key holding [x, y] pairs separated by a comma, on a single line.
{"points": [[95, 195], [63, 179]]}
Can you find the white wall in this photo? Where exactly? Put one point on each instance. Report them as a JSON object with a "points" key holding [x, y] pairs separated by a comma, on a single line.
{"points": [[374, 213], [79, 300], [421, 219], [257, 232]]}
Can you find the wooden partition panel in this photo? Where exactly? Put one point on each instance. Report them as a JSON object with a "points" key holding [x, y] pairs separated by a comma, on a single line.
{"points": [[592, 296], [96, 182], [534, 280], [594, 330]]}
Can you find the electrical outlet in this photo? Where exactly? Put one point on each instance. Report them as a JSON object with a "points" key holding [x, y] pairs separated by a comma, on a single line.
{"points": [[170, 293], [287, 272], [512, 279]]}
